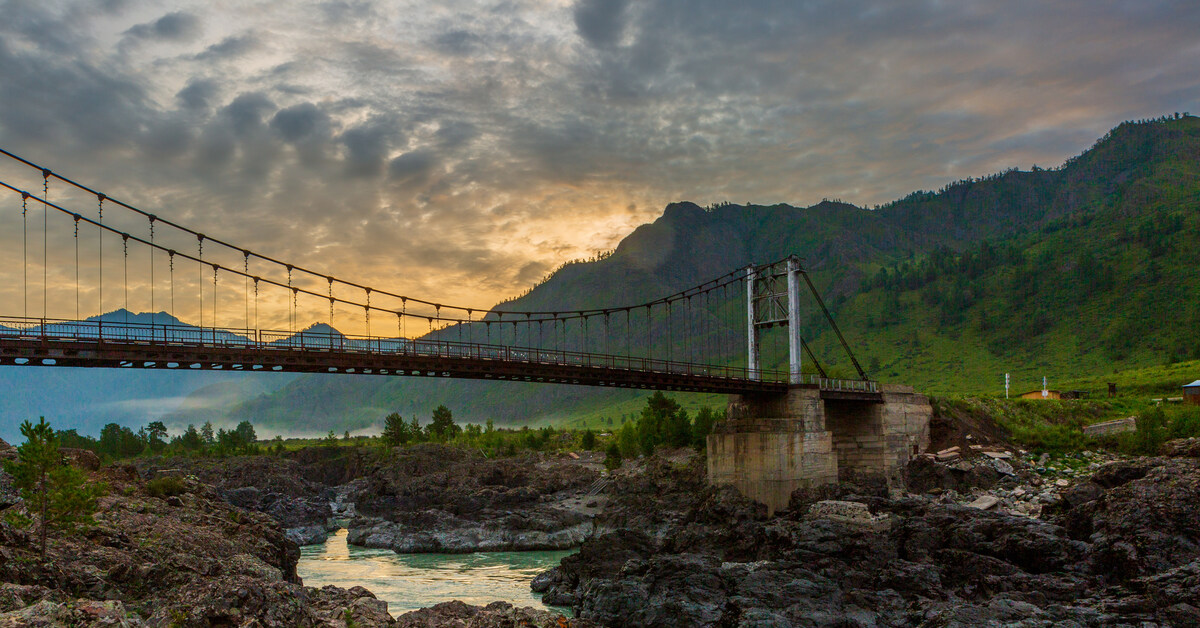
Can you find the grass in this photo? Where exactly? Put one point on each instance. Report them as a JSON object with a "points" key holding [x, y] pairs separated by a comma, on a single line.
{"points": [[1056, 426]]}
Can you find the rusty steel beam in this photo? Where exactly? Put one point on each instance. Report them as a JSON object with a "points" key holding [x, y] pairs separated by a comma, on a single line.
{"points": [[108, 354]]}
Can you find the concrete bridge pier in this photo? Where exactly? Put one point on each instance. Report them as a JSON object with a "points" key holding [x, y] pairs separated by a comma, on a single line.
{"points": [[773, 443]]}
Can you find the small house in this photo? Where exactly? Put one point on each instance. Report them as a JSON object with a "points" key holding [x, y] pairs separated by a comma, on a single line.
{"points": [[1037, 394], [1191, 393]]}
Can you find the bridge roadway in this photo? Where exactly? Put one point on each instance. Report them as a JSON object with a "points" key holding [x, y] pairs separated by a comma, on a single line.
{"points": [[140, 346]]}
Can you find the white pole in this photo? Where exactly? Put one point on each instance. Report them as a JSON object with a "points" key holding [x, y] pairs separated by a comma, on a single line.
{"points": [[751, 331], [793, 286]]}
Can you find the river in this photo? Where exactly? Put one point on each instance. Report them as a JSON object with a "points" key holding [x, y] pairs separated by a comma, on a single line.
{"points": [[411, 581]]}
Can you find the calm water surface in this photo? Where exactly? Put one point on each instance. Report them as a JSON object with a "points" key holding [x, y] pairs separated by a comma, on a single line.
{"points": [[411, 581]]}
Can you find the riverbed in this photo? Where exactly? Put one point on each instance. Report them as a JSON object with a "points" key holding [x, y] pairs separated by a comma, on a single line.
{"points": [[411, 581]]}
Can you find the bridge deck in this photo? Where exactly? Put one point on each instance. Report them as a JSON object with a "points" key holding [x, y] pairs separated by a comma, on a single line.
{"points": [[107, 345]]}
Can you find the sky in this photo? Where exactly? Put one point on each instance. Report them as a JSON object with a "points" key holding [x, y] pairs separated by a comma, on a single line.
{"points": [[460, 150]]}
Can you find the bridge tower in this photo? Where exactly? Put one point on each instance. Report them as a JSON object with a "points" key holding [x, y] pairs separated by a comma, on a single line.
{"points": [[773, 298], [820, 430]]}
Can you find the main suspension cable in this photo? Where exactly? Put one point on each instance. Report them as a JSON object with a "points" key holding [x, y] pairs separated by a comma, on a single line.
{"points": [[562, 315]]}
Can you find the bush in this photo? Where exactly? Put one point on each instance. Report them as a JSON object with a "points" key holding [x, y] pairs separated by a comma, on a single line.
{"points": [[168, 486], [612, 458], [1185, 423]]}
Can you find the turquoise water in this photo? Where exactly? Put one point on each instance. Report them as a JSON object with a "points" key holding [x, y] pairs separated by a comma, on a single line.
{"points": [[411, 581]]}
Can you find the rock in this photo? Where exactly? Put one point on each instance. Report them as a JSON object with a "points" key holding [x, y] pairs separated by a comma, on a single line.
{"points": [[432, 498], [985, 502], [853, 513], [1146, 520], [922, 475], [1002, 467], [9, 496], [368, 611], [307, 535], [1182, 448], [82, 458], [495, 615], [438, 531], [75, 613], [1107, 428]]}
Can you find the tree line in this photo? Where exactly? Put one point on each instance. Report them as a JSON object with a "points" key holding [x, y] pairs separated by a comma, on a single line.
{"points": [[118, 441]]}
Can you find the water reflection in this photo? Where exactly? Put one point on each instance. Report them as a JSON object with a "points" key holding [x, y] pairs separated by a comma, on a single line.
{"points": [[411, 581]]}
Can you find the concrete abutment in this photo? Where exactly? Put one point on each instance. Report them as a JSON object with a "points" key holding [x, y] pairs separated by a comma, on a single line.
{"points": [[772, 444]]}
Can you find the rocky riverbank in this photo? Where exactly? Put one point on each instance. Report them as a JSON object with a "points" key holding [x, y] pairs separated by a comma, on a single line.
{"points": [[187, 555], [992, 537], [275, 486], [427, 498], [438, 499], [186, 558], [1118, 545]]}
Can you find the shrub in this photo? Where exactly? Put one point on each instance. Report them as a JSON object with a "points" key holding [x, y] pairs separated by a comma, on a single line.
{"points": [[612, 458], [167, 486]]}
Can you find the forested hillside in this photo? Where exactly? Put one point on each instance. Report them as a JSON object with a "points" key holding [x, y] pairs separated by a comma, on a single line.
{"points": [[1066, 272]]}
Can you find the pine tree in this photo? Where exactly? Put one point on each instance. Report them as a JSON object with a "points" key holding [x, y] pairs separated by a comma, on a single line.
{"points": [[395, 430], [57, 493], [442, 427]]}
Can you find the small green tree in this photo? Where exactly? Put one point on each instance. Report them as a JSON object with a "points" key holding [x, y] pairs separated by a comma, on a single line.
{"points": [[627, 440], [206, 432], [395, 430], [654, 426], [244, 436], [191, 439], [588, 441], [702, 426], [612, 457], [58, 494], [1151, 432], [118, 441], [679, 429], [156, 435], [442, 427]]}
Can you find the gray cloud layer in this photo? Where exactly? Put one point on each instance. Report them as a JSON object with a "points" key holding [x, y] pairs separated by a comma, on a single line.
{"points": [[459, 149]]}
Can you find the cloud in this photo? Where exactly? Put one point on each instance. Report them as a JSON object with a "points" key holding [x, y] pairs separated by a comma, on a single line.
{"points": [[199, 94], [248, 110], [300, 122], [177, 26], [412, 165], [231, 47], [601, 22], [459, 149]]}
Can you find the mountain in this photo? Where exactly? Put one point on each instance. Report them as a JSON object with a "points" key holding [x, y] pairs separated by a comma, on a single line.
{"points": [[1065, 272], [87, 399]]}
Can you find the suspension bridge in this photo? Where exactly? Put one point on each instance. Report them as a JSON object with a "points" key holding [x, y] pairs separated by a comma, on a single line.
{"points": [[79, 244]]}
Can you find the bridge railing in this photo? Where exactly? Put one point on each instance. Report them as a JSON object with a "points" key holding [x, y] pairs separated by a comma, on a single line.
{"points": [[840, 385], [109, 331]]}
